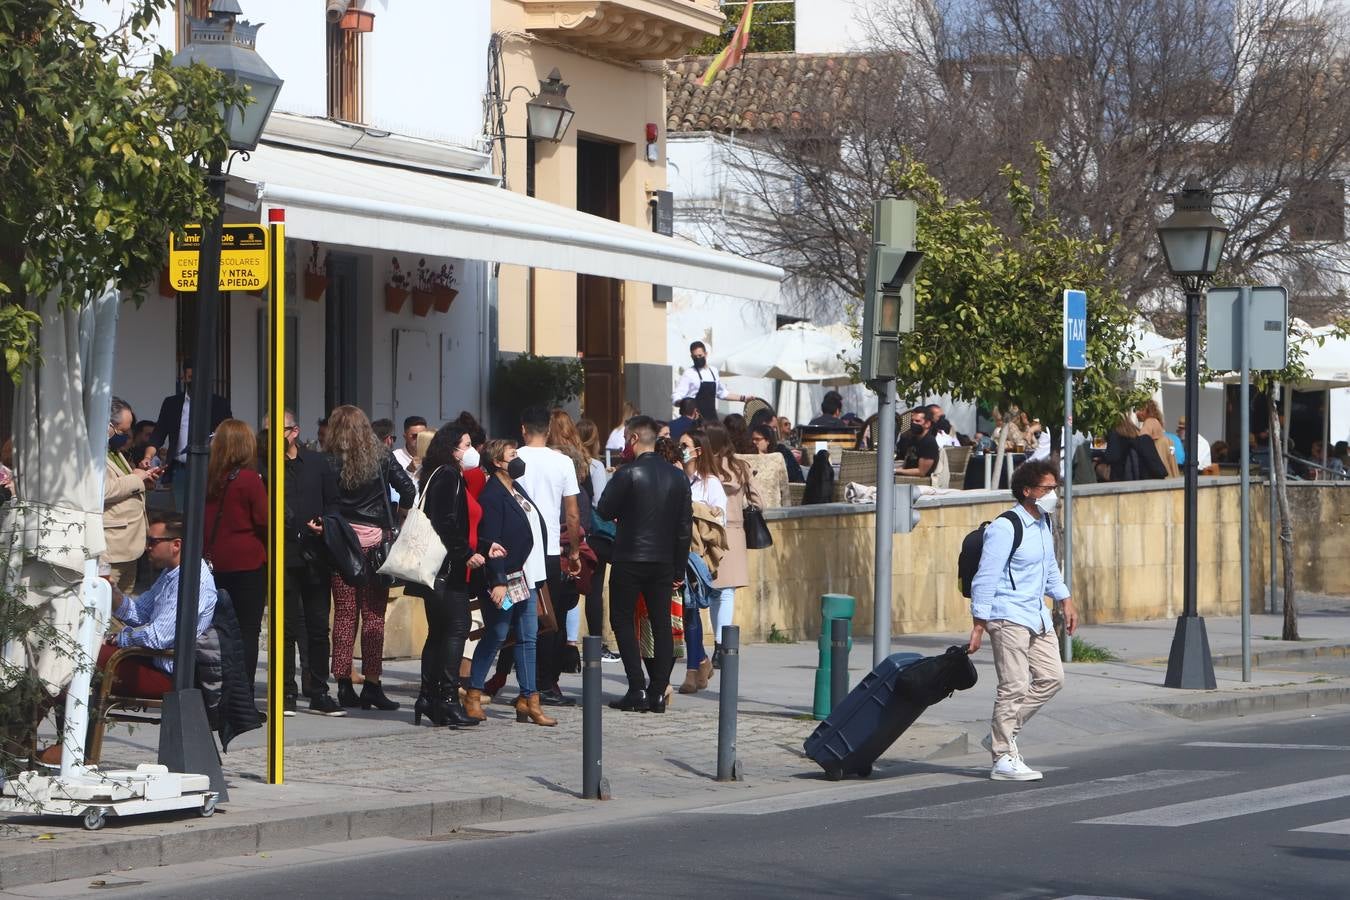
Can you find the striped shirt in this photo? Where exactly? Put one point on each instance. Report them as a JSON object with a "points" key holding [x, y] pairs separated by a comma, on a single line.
{"points": [[152, 617]]}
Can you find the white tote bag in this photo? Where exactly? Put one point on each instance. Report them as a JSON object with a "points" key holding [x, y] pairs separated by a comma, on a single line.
{"points": [[417, 552]]}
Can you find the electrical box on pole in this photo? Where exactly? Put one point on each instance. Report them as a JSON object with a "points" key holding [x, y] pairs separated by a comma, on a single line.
{"points": [[888, 299], [906, 514]]}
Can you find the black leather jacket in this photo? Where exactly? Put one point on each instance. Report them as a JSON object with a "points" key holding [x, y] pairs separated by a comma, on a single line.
{"points": [[649, 499], [447, 506], [368, 504]]}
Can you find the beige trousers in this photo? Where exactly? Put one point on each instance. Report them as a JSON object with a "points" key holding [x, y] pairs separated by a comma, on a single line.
{"points": [[124, 576], [1029, 673]]}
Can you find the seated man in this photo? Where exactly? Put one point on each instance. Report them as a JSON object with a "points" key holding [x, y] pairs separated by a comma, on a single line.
{"points": [[829, 412], [152, 617], [923, 453]]}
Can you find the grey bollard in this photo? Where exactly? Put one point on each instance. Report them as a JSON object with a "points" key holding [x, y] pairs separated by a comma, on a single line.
{"points": [[728, 767], [838, 662], [593, 783]]}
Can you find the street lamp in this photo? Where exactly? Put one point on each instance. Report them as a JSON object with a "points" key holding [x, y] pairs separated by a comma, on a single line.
{"points": [[227, 45], [1192, 240], [548, 114]]}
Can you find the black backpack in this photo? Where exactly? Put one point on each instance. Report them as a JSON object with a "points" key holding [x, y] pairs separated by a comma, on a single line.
{"points": [[972, 548]]}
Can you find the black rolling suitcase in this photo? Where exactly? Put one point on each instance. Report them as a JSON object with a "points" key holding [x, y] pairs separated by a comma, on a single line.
{"points": [[889, 699]]}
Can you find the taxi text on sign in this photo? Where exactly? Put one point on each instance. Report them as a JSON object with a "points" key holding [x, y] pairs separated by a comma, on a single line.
{"points": [[243, 258], [1075, 330]]}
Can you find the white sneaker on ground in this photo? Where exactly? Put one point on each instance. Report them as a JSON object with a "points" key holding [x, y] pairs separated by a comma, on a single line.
{"points": [[1011, 768], [987, 742]]}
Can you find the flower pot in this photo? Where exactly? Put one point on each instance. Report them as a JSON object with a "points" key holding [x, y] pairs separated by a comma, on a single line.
{"points": [[423, 301], [444, 297], [315, 285], [166, 288], [394, 298], [357, 20]]}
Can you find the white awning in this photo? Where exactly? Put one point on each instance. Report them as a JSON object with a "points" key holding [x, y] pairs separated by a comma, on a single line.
{"points": [[360, 204]]}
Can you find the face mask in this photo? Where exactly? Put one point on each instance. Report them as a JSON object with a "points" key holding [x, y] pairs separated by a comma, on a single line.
{"points": [[470, 459], [516, 468], [699, 361], [915, 427], [1048, 503], [118, 441], [688, 454]]}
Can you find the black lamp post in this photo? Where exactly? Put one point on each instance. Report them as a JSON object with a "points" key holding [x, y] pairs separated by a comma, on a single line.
{"points": [[1192, 239], [548, 114], [227, 45]]}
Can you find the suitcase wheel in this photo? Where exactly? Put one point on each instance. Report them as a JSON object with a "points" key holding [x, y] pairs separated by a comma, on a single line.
{"points": [[834, 775], [865, 771]]}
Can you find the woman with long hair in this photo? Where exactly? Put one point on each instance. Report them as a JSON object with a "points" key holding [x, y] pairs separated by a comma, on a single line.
{"points": [[738, 431], [764, 437], [700, 467], [366, 471], [1151, 424], [236, 531], [511, 520], [734, 569], [455, 515]]}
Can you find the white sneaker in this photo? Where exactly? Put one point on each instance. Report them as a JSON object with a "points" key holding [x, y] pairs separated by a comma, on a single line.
{"points": [[1010, 768], [987, 742]]}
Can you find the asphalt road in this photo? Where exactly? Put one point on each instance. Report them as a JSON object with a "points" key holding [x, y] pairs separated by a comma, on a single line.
{"points": [[1170, 818]]}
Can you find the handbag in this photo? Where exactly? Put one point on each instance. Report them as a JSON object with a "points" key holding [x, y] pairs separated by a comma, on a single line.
{"points": [[418, 553], [757, 536], [548, 621], [344, 551], [376, 555]]}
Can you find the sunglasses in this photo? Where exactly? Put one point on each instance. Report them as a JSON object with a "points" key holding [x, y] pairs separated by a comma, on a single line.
{"points": [[151, 541]]}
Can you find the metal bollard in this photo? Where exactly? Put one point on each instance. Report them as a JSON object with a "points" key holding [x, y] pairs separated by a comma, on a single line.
{"points": [[593, 783], [838, 662], [728, 767]]}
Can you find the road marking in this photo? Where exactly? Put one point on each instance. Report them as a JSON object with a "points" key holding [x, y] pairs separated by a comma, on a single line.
{"points": [[1038, 798], [1225, 745], [1214, 808], [1340, 826], [1093, 897], [843, 794]]}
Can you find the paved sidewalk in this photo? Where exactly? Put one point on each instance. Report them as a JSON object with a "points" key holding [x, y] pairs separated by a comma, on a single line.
{"points": [[373, 774]]}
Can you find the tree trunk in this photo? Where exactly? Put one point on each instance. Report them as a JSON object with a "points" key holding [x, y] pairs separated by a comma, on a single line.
{"points": [[1281, 482]]}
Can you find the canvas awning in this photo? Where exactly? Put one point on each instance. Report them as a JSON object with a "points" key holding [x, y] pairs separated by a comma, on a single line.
{"points": [[340, 200]]}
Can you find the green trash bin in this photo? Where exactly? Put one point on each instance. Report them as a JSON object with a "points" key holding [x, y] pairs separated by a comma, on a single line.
{"points": [[832, 606]]}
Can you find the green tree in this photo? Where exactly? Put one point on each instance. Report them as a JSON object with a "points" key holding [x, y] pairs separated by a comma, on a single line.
{"points": [[101, 143], [988, 303], [773, 28]]}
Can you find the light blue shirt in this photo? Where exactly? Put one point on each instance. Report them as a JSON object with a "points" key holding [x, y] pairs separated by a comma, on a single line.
{"points": [[1033, 570], [152, 617]]}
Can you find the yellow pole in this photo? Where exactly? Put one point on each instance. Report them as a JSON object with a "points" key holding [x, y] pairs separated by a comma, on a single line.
{"points": [[276, 433]]}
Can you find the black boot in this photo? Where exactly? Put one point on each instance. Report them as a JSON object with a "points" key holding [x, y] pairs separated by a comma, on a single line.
{"points": [[633, 701], [372, 694], [429, 704], [347, 696], [717, 656], [452, 709]]}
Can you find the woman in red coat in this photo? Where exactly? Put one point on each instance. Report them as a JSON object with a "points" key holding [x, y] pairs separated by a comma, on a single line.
{"points": [[236, 530]]}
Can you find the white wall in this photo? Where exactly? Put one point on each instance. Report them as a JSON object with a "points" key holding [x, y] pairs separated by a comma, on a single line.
{"points": [[144, 368]]}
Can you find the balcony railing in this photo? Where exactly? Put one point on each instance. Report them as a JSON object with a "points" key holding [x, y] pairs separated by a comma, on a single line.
{"points": [[626, 29]]}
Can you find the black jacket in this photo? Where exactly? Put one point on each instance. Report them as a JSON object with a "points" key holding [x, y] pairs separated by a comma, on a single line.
{"points": [[446, 503], [504, 523], [311, 493], [794, 468], [225, 686], [649, 499], [368, 504], [170, 421]]}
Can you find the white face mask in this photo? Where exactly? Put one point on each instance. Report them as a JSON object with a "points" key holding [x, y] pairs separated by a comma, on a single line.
{"points": [[1048, 502], [688, 454], [470, 459]]}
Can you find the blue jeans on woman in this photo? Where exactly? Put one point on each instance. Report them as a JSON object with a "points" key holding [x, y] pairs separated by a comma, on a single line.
{"points": [[693, 637], [523, 618]]}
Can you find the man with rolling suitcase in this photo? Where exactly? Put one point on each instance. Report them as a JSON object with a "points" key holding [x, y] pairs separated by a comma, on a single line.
{"points": [[1017, 570]]}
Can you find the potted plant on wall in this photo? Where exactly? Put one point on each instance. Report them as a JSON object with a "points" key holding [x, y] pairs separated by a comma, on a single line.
{"points": [[316, 279], [443, 286], [423, 296], [397, 287]]}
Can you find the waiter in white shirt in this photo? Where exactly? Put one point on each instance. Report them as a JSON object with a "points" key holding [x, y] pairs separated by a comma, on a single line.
{"points": [[703, 384]]}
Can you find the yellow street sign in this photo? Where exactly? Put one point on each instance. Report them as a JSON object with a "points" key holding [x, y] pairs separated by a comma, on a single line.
{"points": [[243, 258]]}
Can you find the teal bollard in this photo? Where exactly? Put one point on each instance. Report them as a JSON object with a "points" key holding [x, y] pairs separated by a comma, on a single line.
{"points": [[832, 606]]}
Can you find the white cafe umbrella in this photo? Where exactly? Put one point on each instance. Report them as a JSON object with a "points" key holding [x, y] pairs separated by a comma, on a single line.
{"points": [[53, 531], [800, 352]]}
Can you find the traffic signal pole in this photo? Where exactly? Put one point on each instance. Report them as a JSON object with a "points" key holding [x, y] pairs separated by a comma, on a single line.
{"points": [[881, 592]]}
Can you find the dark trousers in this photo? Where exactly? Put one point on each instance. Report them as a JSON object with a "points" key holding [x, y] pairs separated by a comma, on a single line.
{"points": [[652, 580], [248, 592], [447, 631], [307, 605], [595, 599], [549, 649]]}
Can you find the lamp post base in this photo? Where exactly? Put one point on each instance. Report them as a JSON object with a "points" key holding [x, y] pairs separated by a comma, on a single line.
{"points": [[1189, 664], [185, 740]]}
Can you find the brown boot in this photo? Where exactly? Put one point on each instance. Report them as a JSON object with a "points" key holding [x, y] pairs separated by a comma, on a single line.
{"points": [[473, 704], [691, 685], [531, 711], [705, 672]]}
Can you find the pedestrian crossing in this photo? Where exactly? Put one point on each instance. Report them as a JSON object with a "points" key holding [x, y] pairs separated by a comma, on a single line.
{"points": [[1212, 809]]}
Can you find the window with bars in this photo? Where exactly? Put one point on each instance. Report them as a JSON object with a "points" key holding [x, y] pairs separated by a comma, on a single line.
{"points": [[345, 96]]}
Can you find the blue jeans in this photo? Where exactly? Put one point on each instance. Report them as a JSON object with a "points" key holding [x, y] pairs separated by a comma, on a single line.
{"points": [[694, 653], [523, 618]]}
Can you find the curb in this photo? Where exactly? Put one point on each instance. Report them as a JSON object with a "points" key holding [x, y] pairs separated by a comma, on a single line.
{"points": [[1261, 657], [207, 840], [1252, 704]]}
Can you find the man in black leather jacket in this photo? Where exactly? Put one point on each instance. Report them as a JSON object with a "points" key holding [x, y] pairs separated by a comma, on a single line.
{"points": [[650, 502]]}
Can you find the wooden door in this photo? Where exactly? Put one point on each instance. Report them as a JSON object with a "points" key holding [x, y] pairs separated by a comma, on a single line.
{"points": [[600, 300]]}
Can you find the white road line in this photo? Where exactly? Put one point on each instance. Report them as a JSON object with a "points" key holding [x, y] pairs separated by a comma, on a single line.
{"points": [[846, 793], [1038, 798], [1225, 745], [1340, 826], [1093, 897], [1214, 808]]}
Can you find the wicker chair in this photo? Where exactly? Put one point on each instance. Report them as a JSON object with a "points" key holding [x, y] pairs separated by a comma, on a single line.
{"points": [[866, 441], [858, 466], [108, 705], [958, 458]]}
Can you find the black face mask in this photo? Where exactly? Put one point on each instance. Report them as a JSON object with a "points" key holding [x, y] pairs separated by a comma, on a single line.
{"points": [[118, 442], [516, 468], [916, 428], [699, 361]]}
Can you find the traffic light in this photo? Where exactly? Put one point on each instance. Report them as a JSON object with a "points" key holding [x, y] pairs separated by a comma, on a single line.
{"points": [[906, 516], [888, 301]]}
